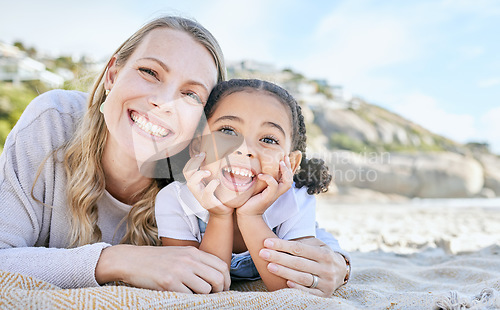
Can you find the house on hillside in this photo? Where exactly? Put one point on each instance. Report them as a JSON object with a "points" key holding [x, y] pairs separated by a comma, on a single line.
{"points": [[17, 67]]}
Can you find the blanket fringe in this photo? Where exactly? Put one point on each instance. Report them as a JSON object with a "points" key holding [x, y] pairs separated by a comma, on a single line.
{"points": [[487, 299]]}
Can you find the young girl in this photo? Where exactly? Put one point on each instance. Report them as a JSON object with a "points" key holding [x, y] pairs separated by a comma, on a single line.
{"points": [[253, 143]]}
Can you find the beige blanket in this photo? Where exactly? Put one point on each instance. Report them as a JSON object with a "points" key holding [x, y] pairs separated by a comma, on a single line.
{"points": [[426, 280]]}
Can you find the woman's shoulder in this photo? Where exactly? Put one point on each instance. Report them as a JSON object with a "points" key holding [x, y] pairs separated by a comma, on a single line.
{"points": [[53, 105], [51, 115], [64, 101]]}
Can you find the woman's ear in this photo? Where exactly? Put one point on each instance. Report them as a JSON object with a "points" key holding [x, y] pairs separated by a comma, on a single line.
{"points": [[111, 72], [295, 159]]}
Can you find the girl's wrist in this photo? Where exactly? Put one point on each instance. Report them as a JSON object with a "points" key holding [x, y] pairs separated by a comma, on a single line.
{"points": [[221, 215], [246, 217]]}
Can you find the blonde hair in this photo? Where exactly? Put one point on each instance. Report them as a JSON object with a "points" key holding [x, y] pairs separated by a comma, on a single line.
{"points": [[83, 153]]}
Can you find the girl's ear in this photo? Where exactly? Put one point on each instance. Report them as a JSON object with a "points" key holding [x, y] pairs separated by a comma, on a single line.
{"points": [[295, 158], [111, 72], [195, 146]]}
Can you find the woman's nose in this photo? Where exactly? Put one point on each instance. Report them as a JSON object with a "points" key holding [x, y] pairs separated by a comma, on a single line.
{"points": [[165, 101]]}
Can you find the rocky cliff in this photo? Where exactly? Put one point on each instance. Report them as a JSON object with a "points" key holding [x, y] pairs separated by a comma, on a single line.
{"points": [[370, 148]]}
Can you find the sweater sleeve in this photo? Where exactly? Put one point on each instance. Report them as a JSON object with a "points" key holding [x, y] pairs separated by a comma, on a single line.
{"points": [[32, 235]]}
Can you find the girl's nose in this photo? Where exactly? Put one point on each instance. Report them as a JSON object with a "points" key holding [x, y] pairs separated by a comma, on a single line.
{"points": [[245, 149]]}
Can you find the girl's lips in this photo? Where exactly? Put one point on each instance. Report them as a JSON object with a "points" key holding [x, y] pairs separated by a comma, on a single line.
{"points": [[238, 179], [152, 129]]}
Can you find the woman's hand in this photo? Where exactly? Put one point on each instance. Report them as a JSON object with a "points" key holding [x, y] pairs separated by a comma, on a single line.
{"points": [[308, 256], [205, 194], [179, 269]]}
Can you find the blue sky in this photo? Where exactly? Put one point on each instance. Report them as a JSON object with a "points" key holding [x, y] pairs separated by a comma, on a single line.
{"points": [[434, 62]]}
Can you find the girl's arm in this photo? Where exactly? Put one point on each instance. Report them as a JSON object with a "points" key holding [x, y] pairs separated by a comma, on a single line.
{"points": [[254, 231], [218, 239]]}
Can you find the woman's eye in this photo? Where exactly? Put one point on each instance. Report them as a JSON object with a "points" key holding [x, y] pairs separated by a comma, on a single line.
{"points": [[269, 140], [228, 131], [195, 97], [149, 72]]}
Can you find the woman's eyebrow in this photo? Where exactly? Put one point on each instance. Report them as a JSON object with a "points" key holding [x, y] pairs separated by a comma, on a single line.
{"points": [[166, 68], [161, 63]]}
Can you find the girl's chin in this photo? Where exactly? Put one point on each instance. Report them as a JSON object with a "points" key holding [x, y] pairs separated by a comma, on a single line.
{"points": [[235, 200]]}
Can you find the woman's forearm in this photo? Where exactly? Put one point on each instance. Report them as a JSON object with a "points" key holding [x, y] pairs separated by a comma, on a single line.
{"points": [[254, 231], [65, 268]]}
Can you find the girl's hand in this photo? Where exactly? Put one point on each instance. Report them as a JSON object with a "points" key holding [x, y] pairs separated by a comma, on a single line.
{"points": [[308, 256], [205, 194], [259, 203], [179, 269]]}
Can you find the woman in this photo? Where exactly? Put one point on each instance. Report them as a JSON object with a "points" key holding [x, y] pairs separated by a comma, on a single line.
{"points": [[77, 207]]}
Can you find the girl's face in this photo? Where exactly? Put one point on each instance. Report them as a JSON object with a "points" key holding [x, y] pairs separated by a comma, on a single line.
{"points": [[255, 130], [157, 96]]}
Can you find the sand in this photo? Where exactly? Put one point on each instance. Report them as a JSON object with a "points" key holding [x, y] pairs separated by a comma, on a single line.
{"points": [[410, 227]]}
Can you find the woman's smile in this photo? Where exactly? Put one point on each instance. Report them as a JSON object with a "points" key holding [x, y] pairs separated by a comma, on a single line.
{"points": [[143, 122]]}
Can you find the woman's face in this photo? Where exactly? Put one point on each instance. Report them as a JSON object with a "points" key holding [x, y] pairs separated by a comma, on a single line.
{"points": [[157, 96]]}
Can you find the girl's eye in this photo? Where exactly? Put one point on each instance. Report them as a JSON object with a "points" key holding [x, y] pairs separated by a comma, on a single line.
{"points": [[149, 72], [194, 97], [228, 131], [269, 140]]}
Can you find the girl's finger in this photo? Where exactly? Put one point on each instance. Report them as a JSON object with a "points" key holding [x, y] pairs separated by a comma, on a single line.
{"points": [[193, 164], [286, 178], [196, 179]]}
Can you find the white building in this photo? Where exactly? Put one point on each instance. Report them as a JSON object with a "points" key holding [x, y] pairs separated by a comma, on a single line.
{"points": [[17, 67]]}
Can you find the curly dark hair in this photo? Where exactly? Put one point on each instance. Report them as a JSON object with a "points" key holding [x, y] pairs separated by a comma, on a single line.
{"points": [[313, 173]]}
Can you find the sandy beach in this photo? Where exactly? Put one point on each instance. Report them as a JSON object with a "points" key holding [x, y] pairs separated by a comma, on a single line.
{"points": [[419, 254], [411, 226]]}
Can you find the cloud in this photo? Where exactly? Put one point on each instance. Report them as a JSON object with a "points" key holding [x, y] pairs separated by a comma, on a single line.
{"points": [[241, 28], [351, 42], [486, 83], [425, 111]]}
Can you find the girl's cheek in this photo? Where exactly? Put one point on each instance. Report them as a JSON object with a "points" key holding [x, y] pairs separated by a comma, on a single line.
{"points": [[270, 163]]}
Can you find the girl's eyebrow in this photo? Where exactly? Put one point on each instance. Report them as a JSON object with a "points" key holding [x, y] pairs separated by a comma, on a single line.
{"points": [[229, 118], [271, 124], [239, 120]]}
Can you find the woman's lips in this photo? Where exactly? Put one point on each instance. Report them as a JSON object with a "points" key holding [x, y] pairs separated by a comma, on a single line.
{"points": [[147, 126]]}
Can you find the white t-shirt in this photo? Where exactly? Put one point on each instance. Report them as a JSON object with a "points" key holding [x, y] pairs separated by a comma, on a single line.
{"points": [[177, 211]]}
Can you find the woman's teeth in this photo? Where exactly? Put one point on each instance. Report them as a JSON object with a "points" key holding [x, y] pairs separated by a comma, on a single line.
{"points": [[147, 126]]}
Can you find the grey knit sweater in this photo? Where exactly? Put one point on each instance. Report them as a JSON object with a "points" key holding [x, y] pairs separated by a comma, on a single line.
{"points": [[33, 237]]}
